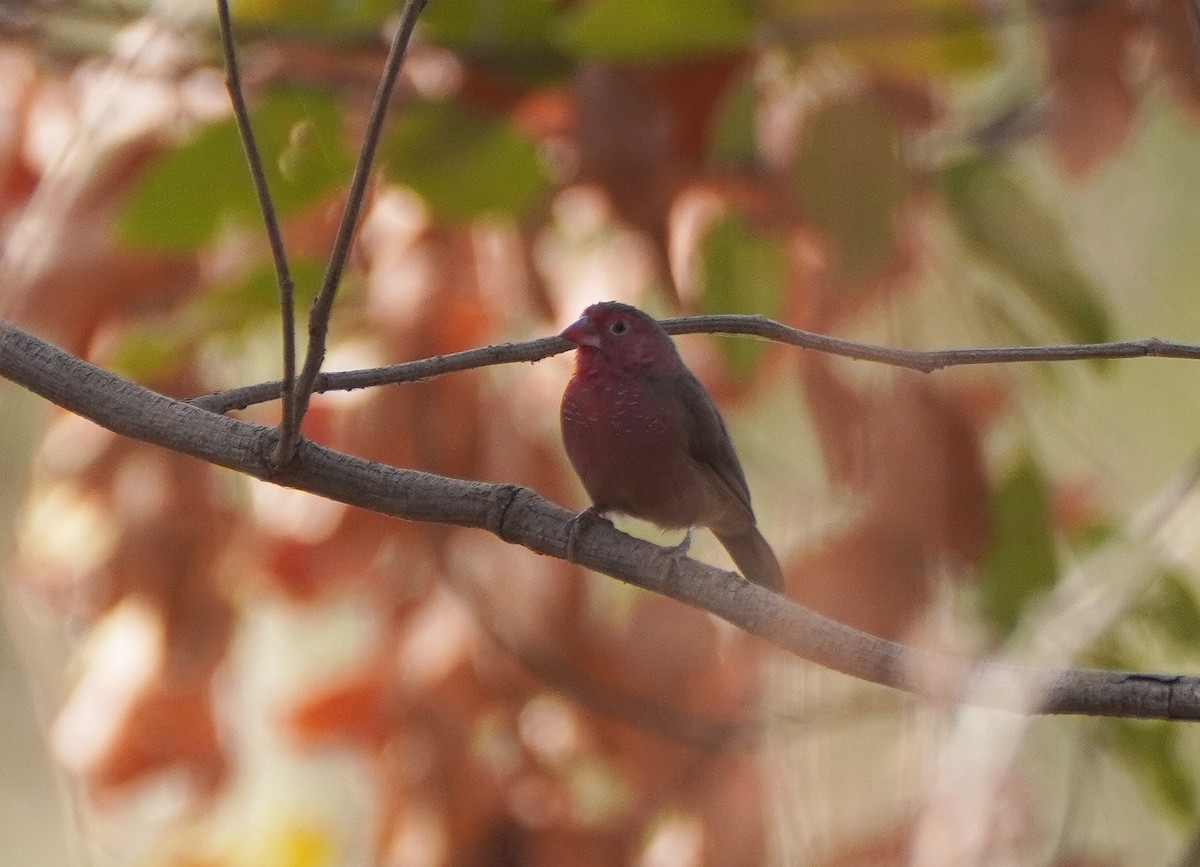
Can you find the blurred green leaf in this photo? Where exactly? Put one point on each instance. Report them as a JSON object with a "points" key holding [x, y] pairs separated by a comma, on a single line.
{"points": [[1096, 532], [464, 165], [852, 180], [924, 38], [190, 193], [1164, 623], [732, 143], [150, 350], [1021, 564], [742, 271], [1151, 750], [1170, 604], [256, 296], [153, 348], [517, 35], [631, 30], [1006, 227], [338, 14]]}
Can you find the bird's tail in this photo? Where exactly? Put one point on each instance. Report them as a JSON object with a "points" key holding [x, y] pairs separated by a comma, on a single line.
{"points": [[754, 558]]}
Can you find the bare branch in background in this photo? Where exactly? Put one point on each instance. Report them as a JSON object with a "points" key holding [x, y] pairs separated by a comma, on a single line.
{"points": [[322, 309], [924, 361], [287, 303]]}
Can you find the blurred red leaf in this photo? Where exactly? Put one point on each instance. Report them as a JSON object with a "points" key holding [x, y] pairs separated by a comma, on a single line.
{"points": [[734, 810], [913, 458], [643, 133], [131, 717], [1175, 35], [162, 730], [1092, 103], [912, 454], [909, 101], [354, 710], [545, 114], [869, 577]]}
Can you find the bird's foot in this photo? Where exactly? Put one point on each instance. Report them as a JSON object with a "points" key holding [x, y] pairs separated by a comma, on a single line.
{"points": [[589, 516], [675, 555], [678, 552]]}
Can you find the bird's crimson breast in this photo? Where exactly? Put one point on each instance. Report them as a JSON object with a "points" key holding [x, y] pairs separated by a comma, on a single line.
{"points": [[626, 438]]}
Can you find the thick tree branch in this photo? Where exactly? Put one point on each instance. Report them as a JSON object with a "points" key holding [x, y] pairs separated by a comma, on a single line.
{"points": [[518, 515], [924, 361]]}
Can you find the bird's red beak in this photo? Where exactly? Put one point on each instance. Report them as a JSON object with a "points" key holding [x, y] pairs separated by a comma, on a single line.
{"points": [[583, 332]]}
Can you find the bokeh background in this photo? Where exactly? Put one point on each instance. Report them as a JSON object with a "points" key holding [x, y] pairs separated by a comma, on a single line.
{"points": [[202, 669]]}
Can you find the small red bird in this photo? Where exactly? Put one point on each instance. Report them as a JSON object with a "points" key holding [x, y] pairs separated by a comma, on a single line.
{"points": [[646, 439]]}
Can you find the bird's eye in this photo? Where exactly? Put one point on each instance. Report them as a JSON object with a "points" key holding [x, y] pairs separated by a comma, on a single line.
{"points": [[618, 327]]}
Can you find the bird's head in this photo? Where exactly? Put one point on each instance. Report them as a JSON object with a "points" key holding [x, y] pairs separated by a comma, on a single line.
{"points": [[617, 335]]}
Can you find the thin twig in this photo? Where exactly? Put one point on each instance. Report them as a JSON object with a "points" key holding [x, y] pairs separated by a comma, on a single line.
{"points": [[410, 371], [929, 360], [287, 304], [322, 309], [922, 360]]}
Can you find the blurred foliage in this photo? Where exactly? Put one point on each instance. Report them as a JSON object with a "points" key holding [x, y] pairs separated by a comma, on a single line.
{"points": [[1007, 228], [926, 38], [465, 166], [1162, 628], [732, 142], [744, 271], [246, 307], [517, 36], [1153, 751], [313, 14], [851, 142], [832, 165], [1022, 565], [203, 186], [630, 30]]}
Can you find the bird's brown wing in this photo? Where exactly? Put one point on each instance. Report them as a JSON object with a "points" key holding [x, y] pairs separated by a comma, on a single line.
{"points": [[708, 440]]}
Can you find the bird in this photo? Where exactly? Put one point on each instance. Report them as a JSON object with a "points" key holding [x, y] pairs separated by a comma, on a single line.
{"points": [[647, 440]]}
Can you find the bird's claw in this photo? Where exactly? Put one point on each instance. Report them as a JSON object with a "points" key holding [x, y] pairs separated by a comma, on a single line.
{"points": [[579, 523], [676, 554]]}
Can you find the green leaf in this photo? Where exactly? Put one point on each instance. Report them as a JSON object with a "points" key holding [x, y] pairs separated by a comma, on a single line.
{"points": [[1151, 750], [852, 180], [150, 350], [919, 38], [464, 165], [185, 198], [1163, 624], [742, 271], [1007, 227], [1021, 565], [636, 30], [732, 142], [516, 35], [1171, 606], [255, 297], [336, 14]]}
